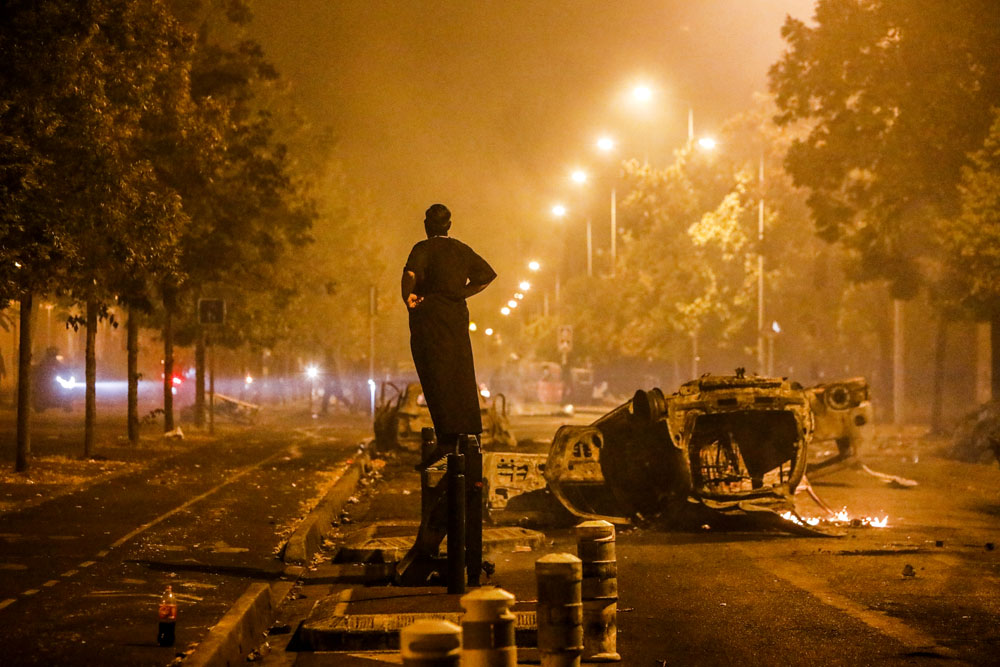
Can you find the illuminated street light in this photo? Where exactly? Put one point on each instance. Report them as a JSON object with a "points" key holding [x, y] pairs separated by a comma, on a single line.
{"points": [[707, 143], [505, 311], [642, 93], [558, 210], [489, 331], [579, 176], [606, 144], [472, 326], [312, 372], [518, 296], [534, 266], [524, 285], [512, 304]]}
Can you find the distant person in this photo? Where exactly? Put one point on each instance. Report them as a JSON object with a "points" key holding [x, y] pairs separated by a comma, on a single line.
{"points": [[440, 274]]}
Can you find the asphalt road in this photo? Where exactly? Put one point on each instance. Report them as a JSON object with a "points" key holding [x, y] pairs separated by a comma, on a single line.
{"points": [[81, 575], [923, 590]]}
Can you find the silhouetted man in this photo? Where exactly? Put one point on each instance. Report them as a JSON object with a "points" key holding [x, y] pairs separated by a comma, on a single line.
{"points": [[440, 274]]}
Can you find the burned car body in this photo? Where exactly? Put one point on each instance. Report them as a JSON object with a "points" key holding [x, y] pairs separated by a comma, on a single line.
{"points": [[842, 412], [401, 414], [721, 442]]}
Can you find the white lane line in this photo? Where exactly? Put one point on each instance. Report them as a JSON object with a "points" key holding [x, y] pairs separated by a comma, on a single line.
{"points": [[69, 573], [146, 526], [50, 583], [102, 553], [819, 588], [86, 563], [6, 603], [30, 591]]}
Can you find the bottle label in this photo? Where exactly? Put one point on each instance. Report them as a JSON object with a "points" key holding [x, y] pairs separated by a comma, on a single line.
{"points": [[168, 612]]}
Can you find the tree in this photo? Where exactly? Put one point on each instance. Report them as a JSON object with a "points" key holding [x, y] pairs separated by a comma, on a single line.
{"points": [[896, 94], [972, 239]]}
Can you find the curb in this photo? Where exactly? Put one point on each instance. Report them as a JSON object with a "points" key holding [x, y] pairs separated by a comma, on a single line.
{"points": [[308, 537], [243, 627]]}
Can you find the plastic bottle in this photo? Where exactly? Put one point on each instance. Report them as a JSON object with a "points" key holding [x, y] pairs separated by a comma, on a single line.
{"points": [[168, 618]]}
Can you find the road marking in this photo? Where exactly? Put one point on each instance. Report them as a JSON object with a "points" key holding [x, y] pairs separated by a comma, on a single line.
{"points": [[342, 601], [86, 563], [30, 591], [50, 583], [6, 603], [102, 553], [146, 526], [69, 573], [819, 588]]}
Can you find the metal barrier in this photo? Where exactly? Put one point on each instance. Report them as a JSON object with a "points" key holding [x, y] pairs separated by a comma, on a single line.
{"points": [[560, 610], [488, 629], [596, 548], [431, 643]]}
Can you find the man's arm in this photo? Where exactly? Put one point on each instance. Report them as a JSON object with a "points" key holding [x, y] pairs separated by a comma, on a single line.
{"points": [[476, 288], [406, 285]]}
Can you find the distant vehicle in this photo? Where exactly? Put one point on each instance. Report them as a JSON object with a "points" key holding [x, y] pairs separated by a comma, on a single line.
{"points": [[402, 413], [54, 383]]}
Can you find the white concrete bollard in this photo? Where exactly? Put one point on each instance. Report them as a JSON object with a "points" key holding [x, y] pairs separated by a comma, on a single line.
{"points": [[560, 611], [431, 643], [595, 544], [488, 628]]}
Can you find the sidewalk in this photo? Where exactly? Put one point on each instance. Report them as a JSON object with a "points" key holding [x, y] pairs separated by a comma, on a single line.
{"points": [[346, 613]]}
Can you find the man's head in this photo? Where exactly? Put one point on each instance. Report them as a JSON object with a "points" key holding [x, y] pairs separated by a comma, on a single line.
{"points": [[437, 220]]}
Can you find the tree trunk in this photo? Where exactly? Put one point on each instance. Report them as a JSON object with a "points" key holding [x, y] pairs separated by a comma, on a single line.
{"points": [[937, 396], [90, 414], [995, 354], [199, 379], [168, 371], [884, 385], [898, 363], [24, 386], [132, 332]]}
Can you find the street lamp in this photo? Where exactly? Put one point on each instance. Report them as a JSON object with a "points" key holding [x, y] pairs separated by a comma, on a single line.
{"points": [[707, 143], [579, 177], [559, 211], [642, 96], [606, 145], [534, 266]]}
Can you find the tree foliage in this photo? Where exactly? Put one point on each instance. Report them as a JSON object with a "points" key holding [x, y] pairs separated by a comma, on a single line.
{"points": [[896, 94]]}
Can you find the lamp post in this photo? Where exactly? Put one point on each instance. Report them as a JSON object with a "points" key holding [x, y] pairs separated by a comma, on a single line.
{"points": [[559, 211], [760, 266], [606, 145], [579, 176]]}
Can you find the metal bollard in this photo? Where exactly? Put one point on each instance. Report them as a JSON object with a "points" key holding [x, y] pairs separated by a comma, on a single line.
{"points": [[559, 610], [469, 446], [488, 629], [595, 544], [456, 523], [431, 643]]}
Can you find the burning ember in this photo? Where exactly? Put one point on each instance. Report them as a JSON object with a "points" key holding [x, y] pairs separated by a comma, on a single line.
{"points": [[841, 518]]}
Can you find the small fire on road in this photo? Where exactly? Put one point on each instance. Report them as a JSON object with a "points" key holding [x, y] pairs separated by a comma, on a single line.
{"points": [[841, 518]]}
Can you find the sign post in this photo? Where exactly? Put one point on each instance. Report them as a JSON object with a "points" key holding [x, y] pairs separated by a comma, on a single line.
{"points": [[211, 313]]}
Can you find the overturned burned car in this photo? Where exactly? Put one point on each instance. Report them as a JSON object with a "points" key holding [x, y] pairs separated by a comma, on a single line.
{"points": [[725, 443], [842, 412], [402, 413]]}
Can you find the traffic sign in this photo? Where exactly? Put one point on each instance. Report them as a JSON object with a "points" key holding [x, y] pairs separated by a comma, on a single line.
{"points": [[564, 338], [211, 311]]}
